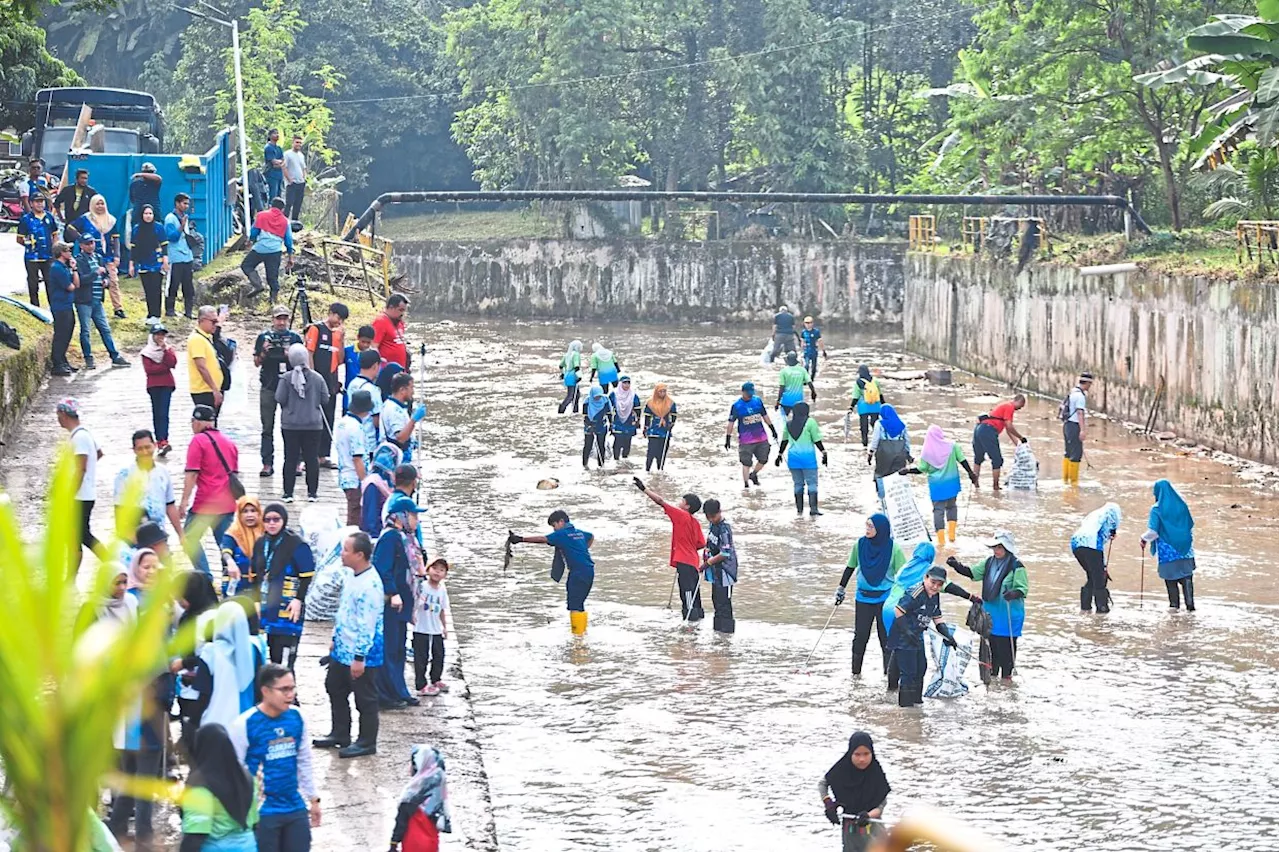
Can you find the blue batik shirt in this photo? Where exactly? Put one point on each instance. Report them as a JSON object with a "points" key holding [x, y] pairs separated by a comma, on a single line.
{"points": [[279, 748], [357, 628]]}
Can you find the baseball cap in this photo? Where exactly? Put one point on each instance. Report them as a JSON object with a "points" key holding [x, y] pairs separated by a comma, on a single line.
{"points": [[808, 319], [936, 572], [203, 413], [150, 534], [1086, 376], [69, 406], [159, 328], [87, 238], [403, 503], [279, 311], [749, 387], [361, 402]]}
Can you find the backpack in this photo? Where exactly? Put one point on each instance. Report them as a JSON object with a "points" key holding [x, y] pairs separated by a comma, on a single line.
{"points": [[871, 392], [1064, 409]]}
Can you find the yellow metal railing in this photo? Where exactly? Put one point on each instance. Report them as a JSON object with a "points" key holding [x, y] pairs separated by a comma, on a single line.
{"points": [[1258, 235], [922, 232]]}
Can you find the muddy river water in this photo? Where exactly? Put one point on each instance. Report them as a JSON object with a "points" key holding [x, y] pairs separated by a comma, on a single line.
{"points": [[1141, 729]]}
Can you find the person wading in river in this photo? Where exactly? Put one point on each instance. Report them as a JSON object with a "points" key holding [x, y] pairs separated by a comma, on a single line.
{"points": [[803, 436], [986, 437], [868, 398], [570, 363], [877, 558], [1089, 546], [1073, 412], [659, 423], [625, 405], [595, 426], [604, 366], [721, 566], [686, 541], [1169, 526], [1004, 595], [856, 785], [890, 447], [573, 550], [753, 443], [913, 613], [941, 460], [792, 380], [784, 332], [811, 336]]}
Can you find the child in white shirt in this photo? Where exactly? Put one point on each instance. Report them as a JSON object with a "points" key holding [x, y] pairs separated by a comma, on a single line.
{"points": [[430, 608]]}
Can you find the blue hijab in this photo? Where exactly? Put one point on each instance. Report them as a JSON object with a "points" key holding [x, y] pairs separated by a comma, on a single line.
{"points": [[1170, 517], [892, 423], [596, 402], [911, 575], [875, 554]]}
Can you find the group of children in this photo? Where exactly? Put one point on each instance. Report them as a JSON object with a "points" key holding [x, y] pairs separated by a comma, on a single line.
{"points": [[613, 408]]}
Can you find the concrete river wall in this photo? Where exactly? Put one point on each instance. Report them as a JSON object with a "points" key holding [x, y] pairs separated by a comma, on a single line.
{"points": [[1213, 342], [845, 282]]}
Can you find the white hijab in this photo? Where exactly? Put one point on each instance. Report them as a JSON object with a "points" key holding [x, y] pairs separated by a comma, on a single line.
{"points": [[626, 398], [230, 659]]}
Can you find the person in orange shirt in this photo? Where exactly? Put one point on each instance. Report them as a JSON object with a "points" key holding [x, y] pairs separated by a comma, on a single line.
{"points": [[324, 341]]}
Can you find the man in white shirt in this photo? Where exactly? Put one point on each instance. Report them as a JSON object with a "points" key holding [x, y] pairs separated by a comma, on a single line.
{"points": [[350, 451], [158, 503], [86, 457], [295, 179], [1075, 407]]}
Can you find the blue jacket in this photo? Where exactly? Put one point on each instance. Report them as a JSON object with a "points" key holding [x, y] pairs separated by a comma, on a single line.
{"points": [[59, 289], [392, 564]]}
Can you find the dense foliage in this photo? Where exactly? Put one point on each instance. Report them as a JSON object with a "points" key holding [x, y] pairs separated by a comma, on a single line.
{"points": [[996, 96]]}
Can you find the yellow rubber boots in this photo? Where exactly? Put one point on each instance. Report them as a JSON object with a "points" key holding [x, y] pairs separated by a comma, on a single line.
{"points": [[942, 538], [578, 623], [951, 531]]}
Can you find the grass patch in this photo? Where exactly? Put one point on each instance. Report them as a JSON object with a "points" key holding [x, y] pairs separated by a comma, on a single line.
{"points": [[29, 328], [471, 225]]}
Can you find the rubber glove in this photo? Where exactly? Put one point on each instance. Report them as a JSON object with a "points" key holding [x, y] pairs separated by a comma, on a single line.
{"points": [[953, 562], [778, 461], [639, 483], [863, 818], [727, 442], [512, 538], [840, 593], [420, 413], [833, 811]]}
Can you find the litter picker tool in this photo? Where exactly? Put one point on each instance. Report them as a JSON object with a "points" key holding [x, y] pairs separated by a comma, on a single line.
{"points": [[1142, 578], [805, 664], [672, 594], [847, 416]]}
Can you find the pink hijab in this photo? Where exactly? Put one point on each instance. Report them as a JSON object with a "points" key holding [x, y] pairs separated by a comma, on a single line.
{"points": [[937, 449]]}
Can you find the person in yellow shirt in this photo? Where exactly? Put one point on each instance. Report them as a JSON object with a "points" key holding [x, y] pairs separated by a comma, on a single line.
{"points": [[203, 370]]}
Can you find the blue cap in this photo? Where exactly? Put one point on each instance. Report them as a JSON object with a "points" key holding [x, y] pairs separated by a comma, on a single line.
{"points": [[749, 387], [403, 503]]}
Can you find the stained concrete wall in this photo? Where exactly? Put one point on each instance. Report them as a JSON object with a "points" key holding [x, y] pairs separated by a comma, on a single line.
{"points": [[850, 282], [1214, 342]]}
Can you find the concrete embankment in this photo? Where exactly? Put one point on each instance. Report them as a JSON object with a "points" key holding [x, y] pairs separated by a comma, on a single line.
{"points": [[845, 281], [1212, 343]]}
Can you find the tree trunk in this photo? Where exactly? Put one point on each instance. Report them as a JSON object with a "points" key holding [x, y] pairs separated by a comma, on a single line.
{"points": [[1171, 191]]}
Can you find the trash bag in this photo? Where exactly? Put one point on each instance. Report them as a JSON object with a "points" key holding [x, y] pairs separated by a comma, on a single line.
{"points": [[766, 354], [319, 527], [948, 664], [979, 621], [1025, 474]]}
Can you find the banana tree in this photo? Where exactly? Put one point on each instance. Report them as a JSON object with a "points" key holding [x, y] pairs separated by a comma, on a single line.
{"points": [[1240, 52]]}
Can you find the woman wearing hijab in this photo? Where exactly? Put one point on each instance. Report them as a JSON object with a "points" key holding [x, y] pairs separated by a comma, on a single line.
{"points": [[659, 421], [101, 225], [1169, 525], [856, 785], [1089, 545], [199, 602], [890, 446], [377, 487], [877, 559], [158, 361], [302, 394], [803, 436], [625, 405], [868, 399], [149, 257], [237, 548], [595, 425], [941, 460], [119, 606], [283, 567], [423, 813], [570, 363], [604, 365], [1004, 595], [220, 800], [224, 676]]}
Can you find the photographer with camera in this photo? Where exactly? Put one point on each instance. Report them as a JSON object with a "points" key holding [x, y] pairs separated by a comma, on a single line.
{"points": [[270, 353]]}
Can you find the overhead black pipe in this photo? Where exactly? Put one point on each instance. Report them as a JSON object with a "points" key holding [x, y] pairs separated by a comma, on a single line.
{"points": [[730, 197]]}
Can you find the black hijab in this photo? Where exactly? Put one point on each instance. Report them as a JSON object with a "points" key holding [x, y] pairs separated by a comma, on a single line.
{"points": [[858, 790], [864, 375], [199, 594], [215, 766], [146, 240], [799, 416]]}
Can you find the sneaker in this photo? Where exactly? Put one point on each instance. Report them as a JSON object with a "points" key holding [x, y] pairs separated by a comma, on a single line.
{"points": [[150, 321], [312, 498], [89, 364], [288, 498], [267, 470], [73, 368], [62, 372], [432, 689], [120, 313], [423, 690], [119, 361], [164, 448], [441, 686]]}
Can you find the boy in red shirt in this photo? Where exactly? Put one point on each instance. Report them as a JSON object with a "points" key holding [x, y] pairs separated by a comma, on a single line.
{"points": [[986, 437], [686, 542]]}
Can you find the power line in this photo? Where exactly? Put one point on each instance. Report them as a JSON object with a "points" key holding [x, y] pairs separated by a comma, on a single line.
{"points": [[674, 67]]}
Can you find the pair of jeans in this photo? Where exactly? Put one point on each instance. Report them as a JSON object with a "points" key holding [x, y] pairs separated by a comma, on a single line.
{"points": [[64, 323], [160, 399], [180, 275], [289, 832], [687, 578], [803, 479], [193, 530], [390, 680], [864, 616], [275, 185], [37, 274], [293, 195], [271, 262], [341, 685], [267, 413], [95, 315], [304, 445], [427, 647], [139, 764]]}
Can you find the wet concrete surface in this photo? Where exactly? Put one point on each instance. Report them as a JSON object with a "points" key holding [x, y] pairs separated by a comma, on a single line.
{"points": [[1138, 729], [359, 797]]}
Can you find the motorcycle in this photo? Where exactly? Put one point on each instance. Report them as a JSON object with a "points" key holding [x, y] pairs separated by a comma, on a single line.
{"points": [[10, 199]]}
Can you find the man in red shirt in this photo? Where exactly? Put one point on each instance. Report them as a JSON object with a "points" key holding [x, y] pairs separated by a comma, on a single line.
{"points": [[686, 541], [388, 331], [986, 437], [211, 460]]}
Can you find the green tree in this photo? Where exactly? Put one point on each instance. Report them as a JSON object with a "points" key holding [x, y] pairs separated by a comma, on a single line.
{"points": [[26, 67], [109, 46]]}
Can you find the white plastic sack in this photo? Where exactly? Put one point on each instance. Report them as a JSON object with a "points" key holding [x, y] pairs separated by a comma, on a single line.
{"points": [[905, 520], [325, 537], [948, 664], [766, 354], [1025, 474]]}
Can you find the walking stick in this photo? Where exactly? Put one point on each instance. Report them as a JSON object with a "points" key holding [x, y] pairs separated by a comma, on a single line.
{"points": [[671, 594], [1142, 578], [805, 664]]}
